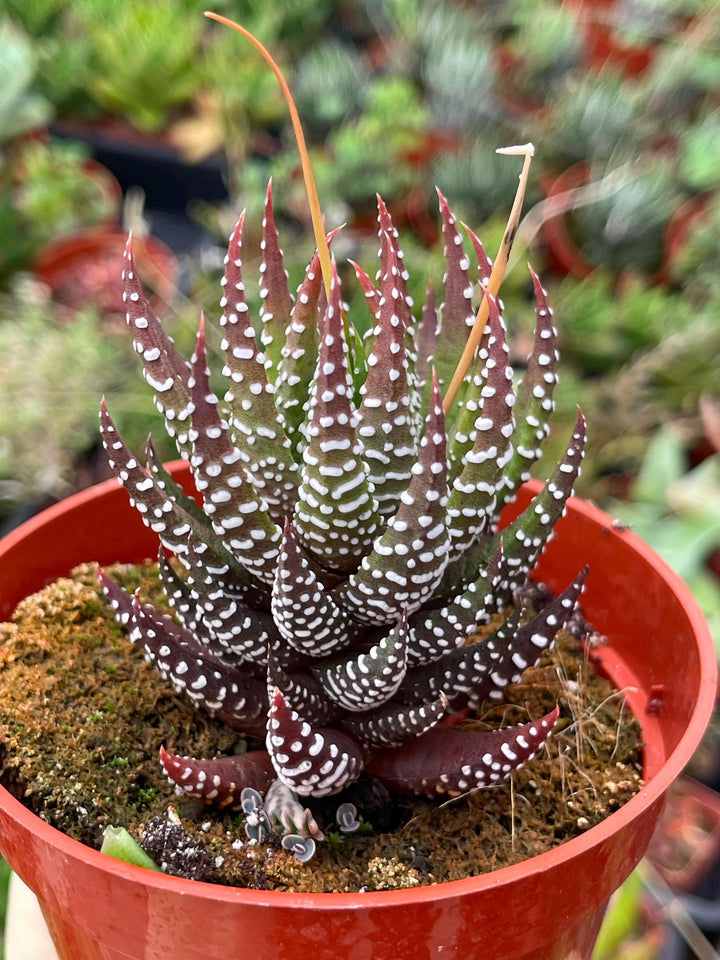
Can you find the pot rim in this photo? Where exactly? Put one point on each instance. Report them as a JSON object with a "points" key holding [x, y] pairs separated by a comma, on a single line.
{"points": [[652, 792]]}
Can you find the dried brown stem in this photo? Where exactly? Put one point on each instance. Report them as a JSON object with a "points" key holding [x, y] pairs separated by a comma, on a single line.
{"points": [[527, 151]]}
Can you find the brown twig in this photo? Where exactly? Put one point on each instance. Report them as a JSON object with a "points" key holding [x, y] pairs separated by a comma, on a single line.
{"points": [[526, 150]]}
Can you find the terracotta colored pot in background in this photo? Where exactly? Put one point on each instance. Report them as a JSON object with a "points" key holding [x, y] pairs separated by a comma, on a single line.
{"points": [[563, 254], [548, 908], [603, 48], [83, 268], [687, 217]]}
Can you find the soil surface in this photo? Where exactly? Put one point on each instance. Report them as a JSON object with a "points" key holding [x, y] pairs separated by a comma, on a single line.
{"points": [[82, 718]]}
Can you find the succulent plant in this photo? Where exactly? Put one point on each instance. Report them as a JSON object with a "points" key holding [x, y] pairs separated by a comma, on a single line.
{"points": [[344, 549], [347, 547]]}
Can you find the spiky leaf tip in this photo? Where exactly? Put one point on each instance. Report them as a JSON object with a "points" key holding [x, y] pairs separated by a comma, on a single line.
{"points": [[526, 537], [335, 516], [297, 365], [220, 781], [277, 303], [163, 368], [483, 439], [457, 315], [385, 416], [535, 402], [453, 762], [314, 762], [305, 613], [483, 671]]}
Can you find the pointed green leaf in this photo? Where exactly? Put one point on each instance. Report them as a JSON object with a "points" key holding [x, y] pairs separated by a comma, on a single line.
{"points": [[163, 368], [457, 315], [305, 613], [525, 538]]}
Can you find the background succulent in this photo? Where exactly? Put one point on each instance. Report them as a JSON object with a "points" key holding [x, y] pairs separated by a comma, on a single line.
{"points": [[347, 547]]}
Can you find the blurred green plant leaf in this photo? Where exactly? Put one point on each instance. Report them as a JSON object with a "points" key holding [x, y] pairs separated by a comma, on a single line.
{"points": [[664, 463]]}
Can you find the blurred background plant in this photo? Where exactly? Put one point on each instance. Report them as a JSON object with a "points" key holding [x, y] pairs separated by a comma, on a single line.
{"points": [[48, 414], [675, 507], [49, 189], [23, 106]]}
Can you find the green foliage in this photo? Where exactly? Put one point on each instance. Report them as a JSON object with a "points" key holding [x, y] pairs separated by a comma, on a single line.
{"points": [[549, 43], [349, 168], [604, 328], [636, 359], [696, 267], [118, 843], [37, 17], [4, 881], [622, 918], [16, 246], [144, 57], [47, 191], [241, 109], [700, 155], [458, 72], [37, 349], [395, 116], [330, 84], [476, 177], [682, 76], [66, 66], [22, 108], [677, 511], [62, 52], [58, 193], [293, 23]]}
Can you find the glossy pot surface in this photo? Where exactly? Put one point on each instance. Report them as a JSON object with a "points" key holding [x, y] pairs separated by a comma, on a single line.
{"points": [[548, 908]]}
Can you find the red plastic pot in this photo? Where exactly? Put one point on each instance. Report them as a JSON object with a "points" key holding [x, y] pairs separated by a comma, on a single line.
{"points": [[686, 218], [563, 254], [83, 267], [548, 908]]}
